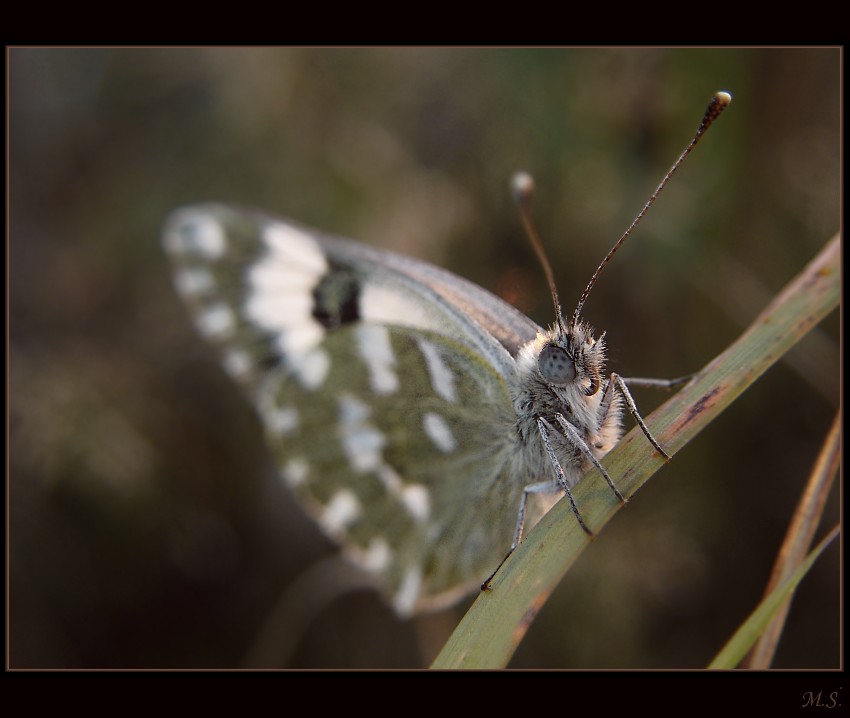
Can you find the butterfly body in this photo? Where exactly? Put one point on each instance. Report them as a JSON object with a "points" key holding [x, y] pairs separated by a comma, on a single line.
{"points": [[579, 400], [403, 405]]}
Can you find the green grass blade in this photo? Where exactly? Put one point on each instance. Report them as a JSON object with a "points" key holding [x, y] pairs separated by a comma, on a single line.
{"points": [[798, 539], [495, 624], [750, 631]]}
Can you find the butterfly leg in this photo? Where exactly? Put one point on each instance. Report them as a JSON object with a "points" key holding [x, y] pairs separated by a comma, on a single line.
{"points": [[657, 383], [618, 382], [543, 487], [572, 433], [576, 438]]}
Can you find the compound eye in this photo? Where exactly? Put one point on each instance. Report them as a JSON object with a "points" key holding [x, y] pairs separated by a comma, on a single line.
{"points": [[556, 366]]}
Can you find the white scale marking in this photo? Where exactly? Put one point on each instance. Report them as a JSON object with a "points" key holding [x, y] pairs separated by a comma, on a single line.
{"points": [[194, 233], [438, 432], [417, 502], [363, 447], [194, 282], [442, 378], [236, 362], [312, 369], [361, 441], [279, 419], [281, 301], [295, 471], [352, 410], [283, 421], [299, 247], [217, 321], [378, 556], [388, 305], [391, 480], [363, 444], [411, 585], [343, 509], [296, 342], [276, 309], [373, 343]]}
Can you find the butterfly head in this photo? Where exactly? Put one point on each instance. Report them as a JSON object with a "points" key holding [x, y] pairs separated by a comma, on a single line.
{"points": [[570, 356]]}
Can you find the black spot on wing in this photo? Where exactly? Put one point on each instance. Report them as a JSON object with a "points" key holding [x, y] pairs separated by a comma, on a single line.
{"points": [[269, 358], [336, 298]]}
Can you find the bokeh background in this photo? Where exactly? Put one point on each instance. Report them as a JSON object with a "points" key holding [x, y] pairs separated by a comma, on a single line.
{"points": [[147, 527]]}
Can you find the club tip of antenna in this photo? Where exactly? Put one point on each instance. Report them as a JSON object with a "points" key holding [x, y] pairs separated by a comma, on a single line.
{"points": [[522, 186], [723, 98]]}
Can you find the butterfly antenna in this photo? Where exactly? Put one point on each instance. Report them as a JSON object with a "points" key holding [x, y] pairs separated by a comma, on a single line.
{"points": [[718, 103], [522, 185]]}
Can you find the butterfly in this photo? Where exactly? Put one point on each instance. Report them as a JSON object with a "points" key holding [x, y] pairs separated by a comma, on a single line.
{"points": [[411, 412]]}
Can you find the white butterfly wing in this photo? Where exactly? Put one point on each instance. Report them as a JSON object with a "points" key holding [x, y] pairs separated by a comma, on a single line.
{"points": [[383, 384]]}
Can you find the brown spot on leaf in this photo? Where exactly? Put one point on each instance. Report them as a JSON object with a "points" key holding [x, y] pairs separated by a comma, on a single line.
{"points": [[529, 616], [699, 406]]}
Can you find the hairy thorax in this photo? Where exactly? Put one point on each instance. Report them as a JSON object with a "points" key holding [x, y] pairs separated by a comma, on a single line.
{"points": [[596, 416]]}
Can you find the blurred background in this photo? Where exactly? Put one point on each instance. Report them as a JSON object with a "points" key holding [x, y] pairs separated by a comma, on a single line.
{"points": [[147, 527]]}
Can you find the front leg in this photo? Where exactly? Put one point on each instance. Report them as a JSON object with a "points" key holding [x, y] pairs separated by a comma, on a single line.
{"points": [[668, 384], [619, 384]]}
